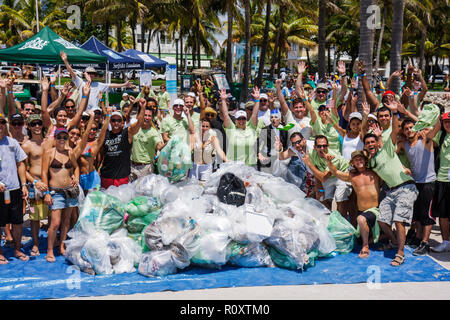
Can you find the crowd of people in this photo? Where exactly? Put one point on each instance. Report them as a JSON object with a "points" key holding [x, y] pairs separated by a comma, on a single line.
{"points": [[386, 171]]}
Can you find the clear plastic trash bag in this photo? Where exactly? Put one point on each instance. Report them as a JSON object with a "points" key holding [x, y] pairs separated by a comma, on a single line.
{"points": [[174, 160], [342, 231], [157, 263], [142, 206], [250, 255]]}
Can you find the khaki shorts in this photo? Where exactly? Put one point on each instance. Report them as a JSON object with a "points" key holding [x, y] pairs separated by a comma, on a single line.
{"points": [[398, 205], [337, 189], [40, 211]]}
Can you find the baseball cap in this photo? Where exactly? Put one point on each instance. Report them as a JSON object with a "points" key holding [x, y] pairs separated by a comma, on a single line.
{"points": [[125, 94], [210, 110], [263, 96], [372, 116], [249, 104], [97, 109], [116, 113], [388, 92], [356, 115], [90, 70], [240, 114], [191, 94], [275, 113], [446, 116], [60, 130], [178, 101], [33, 117], [322, 107], [322, 86], [17, 117], [357, 153]]}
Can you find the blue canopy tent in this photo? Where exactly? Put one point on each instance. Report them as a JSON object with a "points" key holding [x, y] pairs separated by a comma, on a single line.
{"points": [[116, 60], [149, 60]]}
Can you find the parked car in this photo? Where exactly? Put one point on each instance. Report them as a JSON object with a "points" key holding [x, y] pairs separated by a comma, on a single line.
{"points": [[440, 78], [6, 69]]}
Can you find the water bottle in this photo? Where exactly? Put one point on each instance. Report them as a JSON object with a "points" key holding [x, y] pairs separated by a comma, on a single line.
{"points": [[31, 193], [7, 197]]}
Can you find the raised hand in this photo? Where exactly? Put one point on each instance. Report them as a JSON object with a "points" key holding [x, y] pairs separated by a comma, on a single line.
{"points": [[365, 108], [278, 144], [199, 85], [329, 157], [63, 56], [87, 76], [301, 67], [278, 83], [45, 85], [53, 78], [255, 93], [2, 83], [67, 86], [397, 73], [86, 88], [223, 94], [341, 67], [142, 102], [361, 67], [353, 83]]}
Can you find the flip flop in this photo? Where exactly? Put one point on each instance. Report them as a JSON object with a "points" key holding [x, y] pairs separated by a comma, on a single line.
{"points": [[50, 259], [3, 260], [363, 254], [22, 257], [399, 259], [35, 253]]}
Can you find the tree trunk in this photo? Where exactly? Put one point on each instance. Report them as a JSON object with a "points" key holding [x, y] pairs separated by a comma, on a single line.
{"points": [[247, 55], [229, 58], [107, 26], [262, 57], [198, 43], [307, 57], [329, 59], [119, 37], [133, 33], [149, 40], [397, 41], [277, 43], [366, 40], [181, 52], [422, 49], [380, 41], [322, 36], [159, 45], [143, 32]]}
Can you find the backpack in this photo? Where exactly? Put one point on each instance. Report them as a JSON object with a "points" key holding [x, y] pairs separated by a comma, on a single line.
{"points": [[231, 190]]}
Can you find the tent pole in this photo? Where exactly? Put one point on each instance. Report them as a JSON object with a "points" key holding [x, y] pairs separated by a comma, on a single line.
{"points": [[59, 78], [108, 82]]}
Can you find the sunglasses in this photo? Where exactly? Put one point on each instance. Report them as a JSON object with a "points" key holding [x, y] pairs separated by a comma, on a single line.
{"points": [[37, 111], [177, 106], [210, 114], [64, 137], [321, 146], [97, 113], [85, 118], [116, 120], [241, 118], [70, 107], [28, 110], [321, 91], [294, 143], [3, 122], [94, 129], [36, 124], [17, 124], [263, 100]]}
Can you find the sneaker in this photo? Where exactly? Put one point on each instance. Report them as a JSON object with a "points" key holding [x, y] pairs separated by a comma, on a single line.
{"points": [[414, 242], [443, 247], [422, 249]]}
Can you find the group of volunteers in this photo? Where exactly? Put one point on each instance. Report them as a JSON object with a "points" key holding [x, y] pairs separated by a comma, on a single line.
{"points": [[387, 167]]}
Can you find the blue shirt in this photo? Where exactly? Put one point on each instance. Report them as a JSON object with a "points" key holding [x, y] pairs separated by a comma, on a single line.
{"points": [[10, 154]]}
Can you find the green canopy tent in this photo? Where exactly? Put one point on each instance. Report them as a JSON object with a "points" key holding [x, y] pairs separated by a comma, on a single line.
{"points": [[44, 48]]}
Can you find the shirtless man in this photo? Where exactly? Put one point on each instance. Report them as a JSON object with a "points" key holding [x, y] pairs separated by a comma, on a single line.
{"points": [[366, 184], [34, 149]]}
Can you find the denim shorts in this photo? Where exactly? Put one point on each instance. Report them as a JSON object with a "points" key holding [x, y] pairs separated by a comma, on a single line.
{"points": [[61, 202]]}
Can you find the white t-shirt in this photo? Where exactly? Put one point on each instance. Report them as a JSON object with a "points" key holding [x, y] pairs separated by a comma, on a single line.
{"points": [[264, 116], [96, 88], [301, 125]]}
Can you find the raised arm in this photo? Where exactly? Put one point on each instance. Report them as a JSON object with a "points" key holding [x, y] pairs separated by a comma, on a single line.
{"points": [[365, 114], [134, 128], [254, 117], [433, 132], [63, 56], [44, 102], [11, 99], [394, 74], [308, 106], [224, 108], [201, 98], [126, 84], [299, 82], [78, 150], [283, 105], [373, 101], [53, 91], [343, 80], [83, 104], [401, 109], [393, 106], [423, 92], [2, 95], [101, 137], [190, 122], [64, 92], [322, 176]]}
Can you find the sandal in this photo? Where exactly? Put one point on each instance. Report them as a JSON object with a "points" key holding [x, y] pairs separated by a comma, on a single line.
{"points": [[35, 253], [50, 259], [398, 260], [364, 254], [3, 260], [22, 256]]}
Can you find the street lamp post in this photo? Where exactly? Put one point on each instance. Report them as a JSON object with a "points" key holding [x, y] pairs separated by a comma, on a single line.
{"points": [[37, 16], [177, 37]]}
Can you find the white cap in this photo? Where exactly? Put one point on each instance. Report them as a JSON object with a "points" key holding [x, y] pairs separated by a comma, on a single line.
{"points": [[191, 94], [263, 96], [90, 70], [116, 113], [85, 114], [178, 101], [372, 116], [240, 114], [96, 109], [125, 94], [356, 115]]}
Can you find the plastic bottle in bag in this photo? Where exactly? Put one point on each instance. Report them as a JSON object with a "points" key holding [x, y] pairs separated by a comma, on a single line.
{"points": [[157, 263]]}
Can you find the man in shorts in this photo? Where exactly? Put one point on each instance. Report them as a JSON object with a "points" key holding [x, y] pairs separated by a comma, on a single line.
{"points": [[333, 187], [397, 206], [441, 199], [366, 184], [12, 167]]}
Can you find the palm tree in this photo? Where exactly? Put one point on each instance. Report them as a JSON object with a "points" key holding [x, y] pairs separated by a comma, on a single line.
{"points": [[247, 54], [397, 40], [264, 44]]}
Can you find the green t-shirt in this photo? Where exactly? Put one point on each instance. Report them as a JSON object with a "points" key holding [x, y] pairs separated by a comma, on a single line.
{"points": [[196, 119], [338, 161], [388, 166], [444, 155], [141, 95], [328, 131], [163, 100], [386, 134], [316, 104], [241, 144], [123, 102], [175, 127], [144, 145], [259, 127]]}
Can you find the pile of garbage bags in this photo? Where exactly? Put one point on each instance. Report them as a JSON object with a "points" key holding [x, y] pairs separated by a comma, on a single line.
{"points": [[239, 216]]}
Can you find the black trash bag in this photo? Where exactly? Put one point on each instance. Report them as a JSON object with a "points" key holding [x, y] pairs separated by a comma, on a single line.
{"points": [[231, 190]]}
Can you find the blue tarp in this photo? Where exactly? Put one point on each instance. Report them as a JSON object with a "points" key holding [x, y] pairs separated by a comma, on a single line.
{"points": [[116, 60], [38, 279], [149, 60]]}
